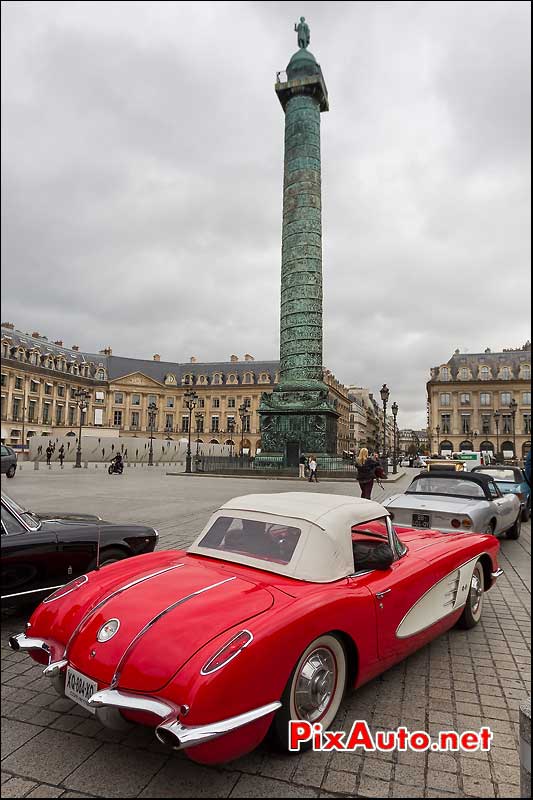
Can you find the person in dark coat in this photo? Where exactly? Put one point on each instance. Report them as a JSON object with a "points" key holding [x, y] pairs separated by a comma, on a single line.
{"points": [[61, 454], [49, 452], [366, 472]]}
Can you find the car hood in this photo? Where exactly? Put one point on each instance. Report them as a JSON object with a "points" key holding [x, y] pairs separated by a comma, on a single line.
{"points": [[437, 503], [61, 516], [164, 621]]}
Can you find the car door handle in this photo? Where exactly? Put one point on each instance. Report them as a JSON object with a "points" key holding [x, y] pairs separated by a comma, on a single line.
{"points": [[379, 595]]}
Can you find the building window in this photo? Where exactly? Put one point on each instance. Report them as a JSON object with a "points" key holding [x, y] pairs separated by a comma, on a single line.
{"points": [[59, 415], [248, 377], [199, 424], [505, 398], [187, 380], [485, 399], [214, 425], [48, 388], [152, 398], [231, 423], [217, 378], [72, 415], [134, 419], [527, 423], [464, 374], [216, 402], [4, 379], [99, 397], [231, 402], [465, 423], [117, 419], [507, 423], [185, 424], [526, 398], [46, 413], [445, 374], [201, 402], [16, 409], [506, 373], [485, 424], [171, 402], [526, 372], [484, 373], [18, 383], [246, 424], [100, 375], [60, 391], [465, 398], [99, 416], [445, 399], [119, 398], [169, 422], [232, 378], [136, 399]]}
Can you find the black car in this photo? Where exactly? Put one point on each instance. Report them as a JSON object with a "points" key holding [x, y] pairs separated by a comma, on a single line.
{"points": [[9, 461], [41, 552]]}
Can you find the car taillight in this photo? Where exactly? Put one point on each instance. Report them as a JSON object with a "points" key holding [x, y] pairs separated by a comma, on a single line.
{"points": [[467, 523], [227, 653], [521, 496], [456, 523], [66, 589]]}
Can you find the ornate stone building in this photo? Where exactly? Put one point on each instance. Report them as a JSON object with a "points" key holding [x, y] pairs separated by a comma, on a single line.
{"points": [[481, 401], [39, 378]]}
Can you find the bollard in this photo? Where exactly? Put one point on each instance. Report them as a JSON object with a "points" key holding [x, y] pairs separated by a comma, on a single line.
{"points": [[525, 748]]}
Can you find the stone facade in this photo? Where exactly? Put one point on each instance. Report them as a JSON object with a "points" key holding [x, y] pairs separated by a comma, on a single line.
{"points": [[465, 392]]}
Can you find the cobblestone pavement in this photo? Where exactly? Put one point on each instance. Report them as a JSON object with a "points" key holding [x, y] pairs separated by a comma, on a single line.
{"points": [[53, 748]]}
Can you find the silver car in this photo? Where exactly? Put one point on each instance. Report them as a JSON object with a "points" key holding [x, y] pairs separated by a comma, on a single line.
{"points": [[456, 502], [9, 461]]}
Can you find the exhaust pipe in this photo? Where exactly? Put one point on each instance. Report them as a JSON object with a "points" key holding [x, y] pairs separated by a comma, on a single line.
{"points": [[167, 737]]}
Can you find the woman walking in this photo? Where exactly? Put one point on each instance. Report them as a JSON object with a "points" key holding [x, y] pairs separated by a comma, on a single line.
{"points": [[312, 469], [366, 472]]}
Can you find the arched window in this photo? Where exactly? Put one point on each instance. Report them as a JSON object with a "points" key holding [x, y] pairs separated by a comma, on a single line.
{"points": [[526, 447], [217, 378], [484, 373], [507, 449], [34, 358], [444, 373], [202, 380], [213, 441], [75, 369], [232, 378], [446, 447], [100, 375], [525, 372], [50, 363], [486, 447], [464, 373], [466, 445], [5, 349], [248, 377], [264, 377], [187, 379], [506, 373]]}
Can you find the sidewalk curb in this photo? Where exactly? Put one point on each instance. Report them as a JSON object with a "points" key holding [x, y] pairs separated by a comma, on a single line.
{"points": [[276, 477]]}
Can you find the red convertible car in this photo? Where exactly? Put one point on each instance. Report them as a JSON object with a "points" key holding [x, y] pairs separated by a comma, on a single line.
{"points": [[281, 603]]}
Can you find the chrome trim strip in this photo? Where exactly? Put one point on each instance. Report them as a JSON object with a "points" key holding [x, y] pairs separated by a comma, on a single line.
{"points": [[497, 574], [23, 642], [54, 668], [203, 671], [82, 578], [114, 594], [33, 591], [116, 677], [112, 698], [188, 736]]}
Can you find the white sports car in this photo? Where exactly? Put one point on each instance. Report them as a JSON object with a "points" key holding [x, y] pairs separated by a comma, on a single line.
{"points": [[456, 501]]}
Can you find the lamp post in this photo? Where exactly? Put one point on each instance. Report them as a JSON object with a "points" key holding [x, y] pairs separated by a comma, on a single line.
{"points": [[394, 408], [191, 399], [475, 434], [199, 419], [231, 431], [437, 431], [152, 411], [243, 414], [497, 416], [81, 396], [385, 392], [513, 405]]}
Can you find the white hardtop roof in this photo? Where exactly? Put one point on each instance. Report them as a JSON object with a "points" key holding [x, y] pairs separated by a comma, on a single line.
{"points": [[324, 553]]}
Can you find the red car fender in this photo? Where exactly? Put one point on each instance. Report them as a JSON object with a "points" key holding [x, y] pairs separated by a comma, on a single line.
{"points": [[259, 673]]}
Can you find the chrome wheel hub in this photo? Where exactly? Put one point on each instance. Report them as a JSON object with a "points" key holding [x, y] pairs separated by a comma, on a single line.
{"points": [[315, 684], [476, 593]]}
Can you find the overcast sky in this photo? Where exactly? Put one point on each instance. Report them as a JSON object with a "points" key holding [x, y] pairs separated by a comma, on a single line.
{"points": [[142, 167]]}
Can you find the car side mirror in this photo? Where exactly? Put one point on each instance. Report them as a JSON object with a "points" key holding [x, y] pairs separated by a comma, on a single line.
{"points": [[368, 555]]}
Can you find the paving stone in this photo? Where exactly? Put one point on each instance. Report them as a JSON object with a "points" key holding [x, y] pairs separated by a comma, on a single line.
{"points": [[16, 787], [50, 755], [445, 781], [477, 787], [399, 790], [256, 786], [14, 735], [341, 782], [372, 787], [505, 773], [131, 773], [46, 791]]}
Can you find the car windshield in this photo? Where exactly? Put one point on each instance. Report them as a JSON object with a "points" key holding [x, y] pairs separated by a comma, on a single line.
{"points": [[500, 474], [264, 541], [29, 517], [452, 486]]}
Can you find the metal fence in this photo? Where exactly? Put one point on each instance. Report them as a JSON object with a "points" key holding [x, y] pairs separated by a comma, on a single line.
{"points": [[331, 465]]}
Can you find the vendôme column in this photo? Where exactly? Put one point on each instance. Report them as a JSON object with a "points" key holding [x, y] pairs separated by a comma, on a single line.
{"points": [[298, 416]]}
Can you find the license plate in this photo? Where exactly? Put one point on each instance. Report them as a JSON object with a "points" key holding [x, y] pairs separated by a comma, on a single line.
{"points": [[421, 521], [79, 688]]}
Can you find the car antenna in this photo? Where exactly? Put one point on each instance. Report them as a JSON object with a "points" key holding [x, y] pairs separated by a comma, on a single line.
{"points": [[98, 546]]}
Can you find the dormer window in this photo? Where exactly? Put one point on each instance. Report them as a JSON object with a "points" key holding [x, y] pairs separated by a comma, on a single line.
{"points": [[50, 363], [100, 374], [445, 374], [202, 379], [232, 378], [248, 377], [506, 373], [187, 380], [464, 373], [525, 372], [217, 378], [484, 373], [264, 377]]}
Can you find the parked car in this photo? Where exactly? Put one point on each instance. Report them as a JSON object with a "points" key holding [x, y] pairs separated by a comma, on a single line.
{"points": [[511, 479], [448, 464], [451, 501], [42, 551], [282, 602], [9, 461]]}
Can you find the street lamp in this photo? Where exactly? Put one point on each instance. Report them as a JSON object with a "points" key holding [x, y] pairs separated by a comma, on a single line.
{"points": [[394, 408], [385, 392], [231, 431], [81, 396], [191, 399], [437, 431], [497, 416], [199, 419], [243, 414], [513, 405], [152, 411]]}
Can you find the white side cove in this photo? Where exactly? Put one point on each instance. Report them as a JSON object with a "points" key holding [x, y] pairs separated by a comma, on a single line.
{"points": [[446, 596]]}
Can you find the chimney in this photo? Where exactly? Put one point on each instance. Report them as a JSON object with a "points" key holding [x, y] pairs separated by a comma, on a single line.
{"points": [[157, 357], [193, 360], [234, 359], [8, 325], [36, 335], [248, 357], [106, 351], [75, 347], [59, 342]]}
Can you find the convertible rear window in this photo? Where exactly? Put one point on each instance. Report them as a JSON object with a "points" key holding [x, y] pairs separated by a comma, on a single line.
{"points": [[501, 474], [266, 541], [451, 486]]}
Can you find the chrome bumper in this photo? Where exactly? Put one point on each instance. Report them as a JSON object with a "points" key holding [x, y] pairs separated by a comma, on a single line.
{"points": [[171, 731], [23, 642], [496, 574]]}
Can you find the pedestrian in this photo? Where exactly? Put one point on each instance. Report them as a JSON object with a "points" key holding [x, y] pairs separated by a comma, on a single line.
{"points": [[302, 463], [366, 472], [313, 467], [49, 453], [61, 454]]}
